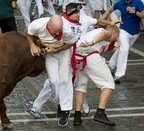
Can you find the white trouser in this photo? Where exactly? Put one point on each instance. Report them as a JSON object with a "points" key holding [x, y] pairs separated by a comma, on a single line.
{"points": [[96, 4], [119, 58], [59, 71], [51, 9], [43, 96], [28, 5], [59, 85], [60, 2], [40, 7], [86, 10], [35, 10], [22, 7], [96, 70]]}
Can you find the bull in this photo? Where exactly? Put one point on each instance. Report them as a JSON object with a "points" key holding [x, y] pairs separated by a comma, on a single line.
{"points": [[16, 62]]}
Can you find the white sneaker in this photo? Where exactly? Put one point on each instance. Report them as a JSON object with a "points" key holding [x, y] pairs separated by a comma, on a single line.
{"points": [[86, 109], [34, 112]]}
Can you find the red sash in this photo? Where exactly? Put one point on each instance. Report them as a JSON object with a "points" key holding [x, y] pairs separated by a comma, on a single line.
{"points": [[75, 61]]}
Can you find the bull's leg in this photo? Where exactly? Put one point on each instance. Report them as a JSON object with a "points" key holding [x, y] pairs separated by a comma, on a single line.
{"points": [[5, 122]]}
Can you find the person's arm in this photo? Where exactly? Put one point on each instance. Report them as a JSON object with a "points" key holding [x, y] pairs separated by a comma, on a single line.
{"points": [[102, 36], [140, 14], [134, 11], [107, 13], [103, 22], [50, 49], [14, 4], [35, 50]]}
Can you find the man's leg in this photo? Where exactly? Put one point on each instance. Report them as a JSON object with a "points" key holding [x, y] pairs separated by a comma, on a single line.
{"points": [[65, 88], [43, 96], [98, 71], [104, 97], [85, 108], [80, 90], [100, 115], [79, 98], [126, 41], [24, 12], [40, 8]]}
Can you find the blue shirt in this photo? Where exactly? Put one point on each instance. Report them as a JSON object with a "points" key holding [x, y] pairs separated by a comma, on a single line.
{"points": [[131, 22]]}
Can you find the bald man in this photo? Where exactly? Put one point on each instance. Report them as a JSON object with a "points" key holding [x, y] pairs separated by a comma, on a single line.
{"points": [[48, 30], [58, 38]]}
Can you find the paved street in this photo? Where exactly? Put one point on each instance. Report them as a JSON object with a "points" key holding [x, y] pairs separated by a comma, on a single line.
{"points": [[125, 108]]}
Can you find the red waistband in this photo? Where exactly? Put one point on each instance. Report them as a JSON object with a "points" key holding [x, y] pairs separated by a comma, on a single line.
{"points": [[84, 58]]}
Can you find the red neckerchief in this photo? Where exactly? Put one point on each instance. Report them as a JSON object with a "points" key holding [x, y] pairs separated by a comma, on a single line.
{"points": [[59, 36], [70, 20]]}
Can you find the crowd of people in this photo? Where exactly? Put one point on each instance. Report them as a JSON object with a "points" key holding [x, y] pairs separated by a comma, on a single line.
{"points": [[73, 43]]}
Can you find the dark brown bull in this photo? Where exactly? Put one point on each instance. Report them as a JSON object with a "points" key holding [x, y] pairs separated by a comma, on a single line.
{"points": [[16, 62]]}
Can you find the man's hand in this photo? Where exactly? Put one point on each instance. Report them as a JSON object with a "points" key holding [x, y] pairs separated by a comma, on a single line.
{"points": [[14, 5], [86, 44], [130, 10], [50, 49], [35, 50], [116, 22]]}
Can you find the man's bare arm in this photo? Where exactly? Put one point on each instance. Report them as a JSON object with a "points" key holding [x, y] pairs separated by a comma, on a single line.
{"points": [[35, 50], [103, 36], [103, 22], [51, 49], [134, 11], [107, 13]]}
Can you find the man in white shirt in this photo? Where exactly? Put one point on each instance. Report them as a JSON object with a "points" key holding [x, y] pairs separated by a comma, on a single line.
{"points": [[58, 34], [93, 66]]}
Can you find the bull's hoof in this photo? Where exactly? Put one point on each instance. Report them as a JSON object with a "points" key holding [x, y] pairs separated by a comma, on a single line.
{"points": [[8, 126]]}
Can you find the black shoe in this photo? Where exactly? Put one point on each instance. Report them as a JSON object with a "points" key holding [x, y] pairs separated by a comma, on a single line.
{"points": [[59, 112], [112, 71], [42, 15], [59, 7], [77, 119], [113, 74], [64, 118], [31, 18], [102, 118], [117, 80]]}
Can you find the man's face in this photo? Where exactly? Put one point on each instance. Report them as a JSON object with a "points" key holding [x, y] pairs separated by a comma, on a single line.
{"points": [[53, 30], [75, 16], [127, 1]]}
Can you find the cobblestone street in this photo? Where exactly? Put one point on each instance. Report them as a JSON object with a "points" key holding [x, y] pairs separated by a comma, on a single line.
{"points": [[125, 108]]}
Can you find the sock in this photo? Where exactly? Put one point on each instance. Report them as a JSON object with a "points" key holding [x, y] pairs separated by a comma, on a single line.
{"points": [[77, 112], [100, 110]]}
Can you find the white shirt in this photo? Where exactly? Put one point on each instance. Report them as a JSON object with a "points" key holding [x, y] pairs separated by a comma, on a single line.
{"points": [[71, 30], [89, 36], [87, 23], [38, 28]]}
